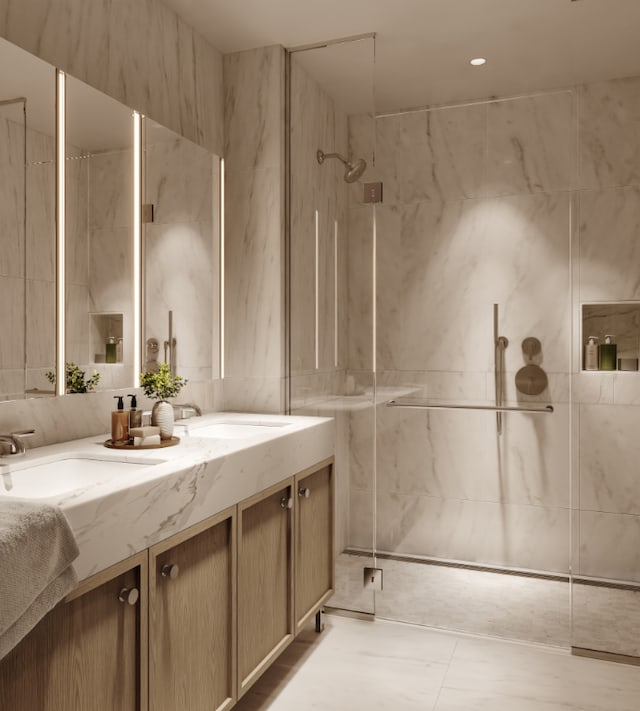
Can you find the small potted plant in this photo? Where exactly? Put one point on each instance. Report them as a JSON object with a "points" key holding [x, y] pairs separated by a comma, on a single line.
{"points": [[75, 379], [160, 385]]}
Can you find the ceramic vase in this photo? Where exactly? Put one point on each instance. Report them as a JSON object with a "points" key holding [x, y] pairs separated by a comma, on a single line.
{"points": [[162, 417]]}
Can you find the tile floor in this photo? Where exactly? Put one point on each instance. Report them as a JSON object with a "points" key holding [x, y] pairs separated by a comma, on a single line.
{"points": [[359, 665], [496, 604]]}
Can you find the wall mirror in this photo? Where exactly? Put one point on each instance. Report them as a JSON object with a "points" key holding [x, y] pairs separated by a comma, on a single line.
{"points": [[27, 224], [99, 236], [181, 243]]}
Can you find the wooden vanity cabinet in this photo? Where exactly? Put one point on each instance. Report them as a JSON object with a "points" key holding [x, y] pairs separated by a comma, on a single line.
{"points": [[89, 652], [192, 618], [265, 585], [314, 549], [193, 621]]}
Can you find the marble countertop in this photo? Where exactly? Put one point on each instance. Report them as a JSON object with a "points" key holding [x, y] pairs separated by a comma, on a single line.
{"points": [[197, 478]]}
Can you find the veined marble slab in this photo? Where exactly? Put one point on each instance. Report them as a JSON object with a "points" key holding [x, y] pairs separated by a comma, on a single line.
{"points": [[199, 478]]}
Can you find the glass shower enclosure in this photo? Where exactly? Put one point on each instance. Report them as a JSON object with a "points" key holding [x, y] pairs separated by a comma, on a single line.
{"points": [[438, 307]]}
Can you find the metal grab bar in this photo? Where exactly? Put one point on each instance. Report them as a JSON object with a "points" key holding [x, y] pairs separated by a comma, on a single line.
{"points": [[547, 409]]}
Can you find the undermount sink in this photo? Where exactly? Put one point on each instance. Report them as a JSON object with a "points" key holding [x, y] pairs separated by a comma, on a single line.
{"points": [[64, 473], [235, 430]]}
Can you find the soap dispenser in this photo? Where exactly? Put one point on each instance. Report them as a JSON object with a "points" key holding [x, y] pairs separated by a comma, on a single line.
{"points": [[135, 415], [119, 423], [591, 354], [608, 354]]}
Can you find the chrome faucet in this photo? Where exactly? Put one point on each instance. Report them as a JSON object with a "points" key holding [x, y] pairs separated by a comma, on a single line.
{"points": [[15, 442], [186, 410]]}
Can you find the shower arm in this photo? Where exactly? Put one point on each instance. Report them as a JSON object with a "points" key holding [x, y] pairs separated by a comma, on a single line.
{"points": [[321, 156]]}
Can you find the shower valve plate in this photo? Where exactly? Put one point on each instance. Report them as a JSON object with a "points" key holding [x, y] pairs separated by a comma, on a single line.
{"points": [[372, 192]]}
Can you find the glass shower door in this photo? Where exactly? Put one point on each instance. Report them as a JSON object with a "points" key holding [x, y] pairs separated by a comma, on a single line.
{"points": [[331, 277], [473, 345]]}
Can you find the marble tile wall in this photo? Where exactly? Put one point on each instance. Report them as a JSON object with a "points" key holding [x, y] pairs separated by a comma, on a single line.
{"points": [[254, 230], [137, 51], [476, 211], [12, 259], [488, 204], [182, 248], [39, 232]]}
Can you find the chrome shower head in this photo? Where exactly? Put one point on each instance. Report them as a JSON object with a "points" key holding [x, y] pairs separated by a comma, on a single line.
{"points": [[353, 170]]}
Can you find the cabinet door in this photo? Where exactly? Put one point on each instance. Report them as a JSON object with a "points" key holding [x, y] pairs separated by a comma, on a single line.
{"points": [[265, 619], [314, 568], [87, 654], [192, 619]]}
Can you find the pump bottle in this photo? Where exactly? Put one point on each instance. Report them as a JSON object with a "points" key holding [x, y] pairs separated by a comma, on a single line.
{"points": [[135, 415], [591, 354], [119, 423]]}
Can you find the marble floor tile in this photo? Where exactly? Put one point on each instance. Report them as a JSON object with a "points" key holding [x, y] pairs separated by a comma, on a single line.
{"points": [[503, 676], [355, 665], [473, 601]]}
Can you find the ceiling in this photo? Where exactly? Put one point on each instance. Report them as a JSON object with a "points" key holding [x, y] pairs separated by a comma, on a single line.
{"points": [[423, 47]]}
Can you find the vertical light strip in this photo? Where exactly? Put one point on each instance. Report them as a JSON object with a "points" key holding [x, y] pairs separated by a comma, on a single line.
{"points": [[374, 291], [222, 302], [61, 131], [335, 294], [137, 247], [317, 284]]}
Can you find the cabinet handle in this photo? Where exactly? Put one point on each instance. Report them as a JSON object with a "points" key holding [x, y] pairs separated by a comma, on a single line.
{"points": [[286, 502], [170, 570], [129, 595], [304, 493]]}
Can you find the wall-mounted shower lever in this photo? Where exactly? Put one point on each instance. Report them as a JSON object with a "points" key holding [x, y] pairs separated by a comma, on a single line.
{"points": [[501, 343]]}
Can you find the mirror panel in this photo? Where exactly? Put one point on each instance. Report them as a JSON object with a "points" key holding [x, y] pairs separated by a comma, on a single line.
{"points": [[27, 224], [99, 237], [181, 255]]}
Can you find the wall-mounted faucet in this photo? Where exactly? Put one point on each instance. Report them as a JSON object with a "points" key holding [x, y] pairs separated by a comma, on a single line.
{"points": [[170, 346], [186, 410], [14, 443]]}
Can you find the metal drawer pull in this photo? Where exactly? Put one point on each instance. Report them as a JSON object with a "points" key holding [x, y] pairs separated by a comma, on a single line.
{"points": [[304, 493], [129, 596], [286, 502], [170, 570]]}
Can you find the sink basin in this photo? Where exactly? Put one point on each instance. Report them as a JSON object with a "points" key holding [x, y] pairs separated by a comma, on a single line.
{"points": [[57, 475], [235, 430]]}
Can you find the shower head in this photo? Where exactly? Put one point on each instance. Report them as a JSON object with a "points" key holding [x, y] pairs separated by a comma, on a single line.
{"points": [[353, 170]]}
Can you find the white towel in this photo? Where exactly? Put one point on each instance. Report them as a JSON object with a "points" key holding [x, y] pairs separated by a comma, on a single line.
{"points": [[37, 548]]}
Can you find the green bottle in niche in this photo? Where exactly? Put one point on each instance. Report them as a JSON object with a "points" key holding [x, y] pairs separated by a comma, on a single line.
{"points": [[607, 354], [110, 355]]}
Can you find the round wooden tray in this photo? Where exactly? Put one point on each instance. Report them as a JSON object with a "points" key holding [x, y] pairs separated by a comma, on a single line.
{"points": [[163, 443]]}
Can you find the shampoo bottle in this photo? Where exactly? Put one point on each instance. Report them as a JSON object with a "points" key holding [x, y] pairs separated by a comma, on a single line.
{"points": [[591, 354], [608, 354], [135, 415], [120, 423], [110, 350]]}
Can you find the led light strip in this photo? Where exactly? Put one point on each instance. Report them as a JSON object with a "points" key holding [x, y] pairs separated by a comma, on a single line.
{"points": [[317, 280], [221, 268], [137, 247], [335, 295], [60, 230]]}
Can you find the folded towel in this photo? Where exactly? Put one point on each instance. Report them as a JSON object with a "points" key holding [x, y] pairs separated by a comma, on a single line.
{"points": [[37, 548]]}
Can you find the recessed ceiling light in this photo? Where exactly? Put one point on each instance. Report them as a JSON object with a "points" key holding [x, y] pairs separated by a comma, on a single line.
{"points": [[478, 61]]}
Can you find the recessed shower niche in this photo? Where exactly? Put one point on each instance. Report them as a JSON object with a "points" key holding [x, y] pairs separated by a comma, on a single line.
{"points": [[621, 321]]}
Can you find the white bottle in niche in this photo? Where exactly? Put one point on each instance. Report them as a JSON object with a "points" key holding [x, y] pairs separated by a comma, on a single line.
{"points": [[591, 354]]}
